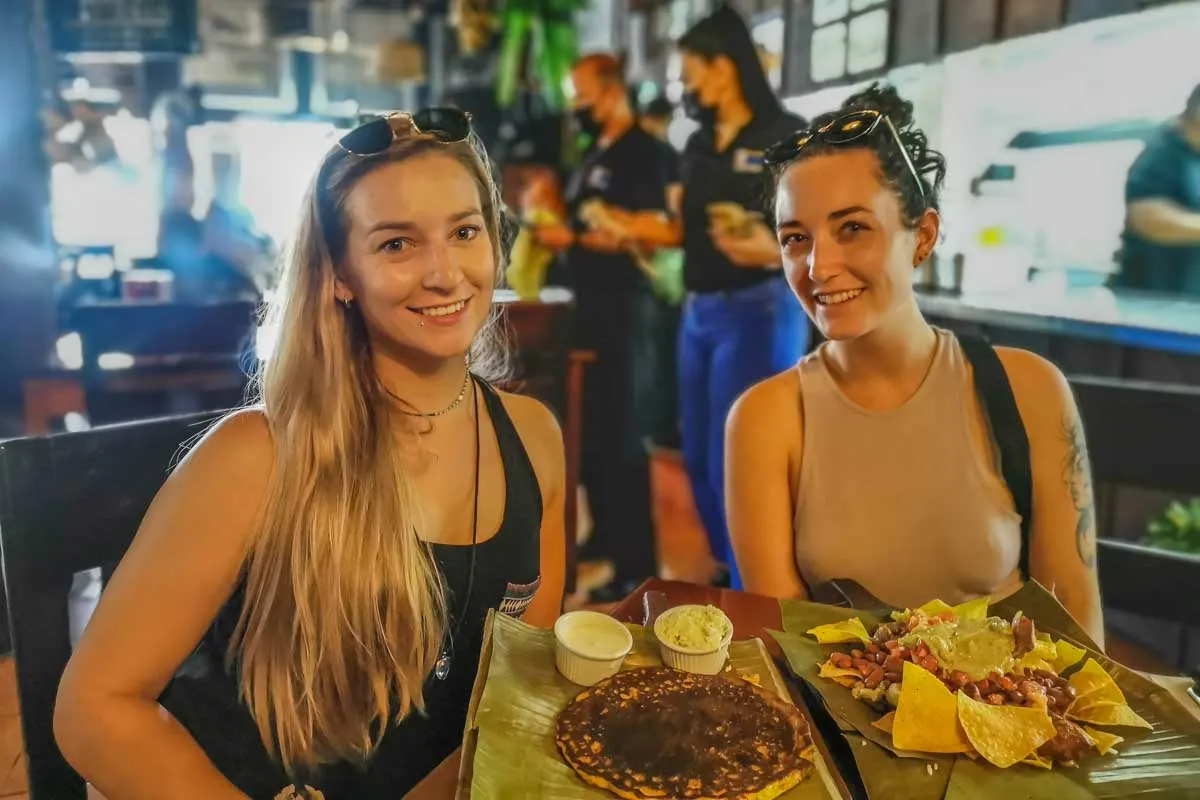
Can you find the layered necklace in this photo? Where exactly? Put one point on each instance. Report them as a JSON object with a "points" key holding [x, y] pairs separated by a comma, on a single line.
{"points": [[441, 667]]}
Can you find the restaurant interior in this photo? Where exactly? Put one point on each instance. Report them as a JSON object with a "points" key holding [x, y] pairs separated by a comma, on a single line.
{"points": [[153, 159]]}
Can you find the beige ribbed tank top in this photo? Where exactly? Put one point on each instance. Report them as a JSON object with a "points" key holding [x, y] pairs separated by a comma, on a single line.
{"points": [[903, 501]]}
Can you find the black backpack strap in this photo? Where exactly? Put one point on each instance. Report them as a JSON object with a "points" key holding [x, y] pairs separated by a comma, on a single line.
{"points": [[1008, 431]]}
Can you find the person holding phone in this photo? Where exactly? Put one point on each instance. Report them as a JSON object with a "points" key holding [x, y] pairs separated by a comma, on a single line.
{"points": [[741, 323]]}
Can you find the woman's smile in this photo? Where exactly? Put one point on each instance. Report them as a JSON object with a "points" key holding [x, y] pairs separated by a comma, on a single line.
{"points": [[444, 314]]}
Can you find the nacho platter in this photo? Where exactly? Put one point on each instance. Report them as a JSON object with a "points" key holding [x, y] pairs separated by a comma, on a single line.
{"points": [[952, 745]]}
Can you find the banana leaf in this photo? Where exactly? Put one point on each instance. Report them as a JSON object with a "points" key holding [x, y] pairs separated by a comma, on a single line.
{"points": [[899, 778], [804, 657], [509, 750], [1164, 762]]}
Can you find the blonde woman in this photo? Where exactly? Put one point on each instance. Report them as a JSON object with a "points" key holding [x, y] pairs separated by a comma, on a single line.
{"points": [[336, 550]]}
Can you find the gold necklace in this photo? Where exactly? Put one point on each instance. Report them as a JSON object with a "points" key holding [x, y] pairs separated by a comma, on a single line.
{"points": [[461, 394]]}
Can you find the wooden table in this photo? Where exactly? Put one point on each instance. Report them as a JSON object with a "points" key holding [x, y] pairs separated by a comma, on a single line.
{"points": [[752, 615]]}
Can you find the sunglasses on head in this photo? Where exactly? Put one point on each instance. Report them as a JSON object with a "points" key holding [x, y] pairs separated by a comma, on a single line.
{"points": [[447, 125], [841, 131]]}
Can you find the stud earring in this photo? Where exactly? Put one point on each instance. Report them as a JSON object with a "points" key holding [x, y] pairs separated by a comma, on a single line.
{"points": [[346, 301]]}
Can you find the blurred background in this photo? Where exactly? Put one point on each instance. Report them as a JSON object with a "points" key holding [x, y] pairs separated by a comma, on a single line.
{"points": [[153, 153], [161, 147]]}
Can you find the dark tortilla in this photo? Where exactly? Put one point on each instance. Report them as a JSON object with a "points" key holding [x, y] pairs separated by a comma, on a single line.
{"points": [[659, 732]]}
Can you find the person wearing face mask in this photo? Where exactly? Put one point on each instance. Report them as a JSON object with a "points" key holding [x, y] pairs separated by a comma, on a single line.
{"points": [[740, 321], [623, 171]]}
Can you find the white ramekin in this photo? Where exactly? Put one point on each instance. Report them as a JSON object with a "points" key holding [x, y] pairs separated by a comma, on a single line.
{"points": [[701, 662], [587, 669]]}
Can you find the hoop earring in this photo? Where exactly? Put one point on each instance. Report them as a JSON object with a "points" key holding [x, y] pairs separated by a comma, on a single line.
{"points": [[346, 302]]}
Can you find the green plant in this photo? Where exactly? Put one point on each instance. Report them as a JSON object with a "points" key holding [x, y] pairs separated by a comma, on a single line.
{"points": [[1176, 528]]}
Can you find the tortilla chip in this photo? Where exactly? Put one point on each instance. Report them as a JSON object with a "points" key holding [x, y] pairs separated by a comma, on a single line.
{"points": [[840, 675], [1103, 741], [927, 716], [1031, 661], [1106, 713], [828, 670], [1045, 649], [1066, 655], [752, 678], [850, 630], [1004, 735], [1094, 685], [1038, 761], [972, 609], [886, 723], [1041, 657], [934, 607]]}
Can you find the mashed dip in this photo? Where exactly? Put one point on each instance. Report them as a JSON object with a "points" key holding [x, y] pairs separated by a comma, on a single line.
{"points": [[700, 628]]}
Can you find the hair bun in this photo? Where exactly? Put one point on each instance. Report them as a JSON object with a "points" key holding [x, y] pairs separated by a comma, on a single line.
{"points": [[884, 99]]}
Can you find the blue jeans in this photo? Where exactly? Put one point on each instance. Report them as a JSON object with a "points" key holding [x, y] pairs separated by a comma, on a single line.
{"points": [[728, 342]]}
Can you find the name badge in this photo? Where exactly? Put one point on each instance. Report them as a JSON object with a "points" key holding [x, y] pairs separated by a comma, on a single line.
{"points": [[747, 160], [598, 178]]}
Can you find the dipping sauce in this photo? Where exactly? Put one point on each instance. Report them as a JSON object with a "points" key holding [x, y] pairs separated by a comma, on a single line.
{"points": [[593, 635]]}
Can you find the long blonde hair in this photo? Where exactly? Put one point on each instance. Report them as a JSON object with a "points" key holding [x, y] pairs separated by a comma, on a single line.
{"points": [[344, 608]]}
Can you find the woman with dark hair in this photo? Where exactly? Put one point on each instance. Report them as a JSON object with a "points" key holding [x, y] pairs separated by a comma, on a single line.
{"points": [[740, 322], [897, 455]]}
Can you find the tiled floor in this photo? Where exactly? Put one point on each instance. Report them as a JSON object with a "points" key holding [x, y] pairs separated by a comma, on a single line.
{"points": [[683, 555]]}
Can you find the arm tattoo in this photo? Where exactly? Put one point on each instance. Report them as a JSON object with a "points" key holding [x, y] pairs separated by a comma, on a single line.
{"points": [[1078, 478]]}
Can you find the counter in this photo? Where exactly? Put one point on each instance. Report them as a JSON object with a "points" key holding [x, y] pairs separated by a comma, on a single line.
{"points": [[1133, 319], [1086, 331]]}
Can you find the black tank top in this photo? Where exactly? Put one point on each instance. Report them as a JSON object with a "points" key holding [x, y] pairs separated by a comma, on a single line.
{"points": [[204, 696]]}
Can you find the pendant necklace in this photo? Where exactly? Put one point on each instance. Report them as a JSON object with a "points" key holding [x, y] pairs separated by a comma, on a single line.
{"points": [[441, 668]]}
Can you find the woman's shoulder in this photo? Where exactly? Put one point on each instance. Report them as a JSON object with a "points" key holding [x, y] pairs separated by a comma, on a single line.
{"points": [[530, 415], [237, 450], [540, 433], [1042, 392], [242, 436], [772, 405]]}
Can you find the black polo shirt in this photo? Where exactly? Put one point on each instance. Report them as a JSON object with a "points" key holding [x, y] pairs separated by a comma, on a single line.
{"points": [[1167, 168], [734, 175], [631, 173]]}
